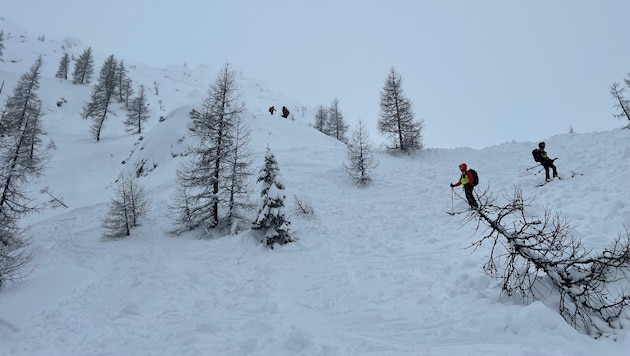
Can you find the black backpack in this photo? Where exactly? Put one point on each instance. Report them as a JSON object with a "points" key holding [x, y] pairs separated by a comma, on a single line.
{"points": [[475, 177], [536, 154]]}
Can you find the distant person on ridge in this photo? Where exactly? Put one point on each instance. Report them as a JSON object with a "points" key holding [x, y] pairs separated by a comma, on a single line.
{"points": [[285, 112], [540, 155], [467, 179], [272, 109]]}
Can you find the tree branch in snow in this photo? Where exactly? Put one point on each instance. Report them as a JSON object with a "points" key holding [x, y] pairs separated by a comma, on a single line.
{"points": [[303, 206], [54, 201], [535, 258]]}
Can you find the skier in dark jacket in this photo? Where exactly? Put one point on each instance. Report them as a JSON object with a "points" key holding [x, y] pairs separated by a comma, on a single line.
{"points": [[285, 112], [466, 179], [272, 109], [547, 162]]}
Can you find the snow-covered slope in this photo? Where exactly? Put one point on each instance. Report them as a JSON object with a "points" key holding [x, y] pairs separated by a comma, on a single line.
{"points": [[380, 270]]}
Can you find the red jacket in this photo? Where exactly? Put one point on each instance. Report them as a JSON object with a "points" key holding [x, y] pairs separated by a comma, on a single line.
{"points": [[468, 174]]}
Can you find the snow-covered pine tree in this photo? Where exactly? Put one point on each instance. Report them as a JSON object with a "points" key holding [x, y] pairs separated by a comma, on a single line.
{"points": [[360, 156], [64, 65], [83, 68], [396, 119], [129, 205], [137, 112], [271, 220], [102, 97], [21, 158]]}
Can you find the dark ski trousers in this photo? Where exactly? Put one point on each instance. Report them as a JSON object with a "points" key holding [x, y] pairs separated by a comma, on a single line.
{"points": [[547, 165], [468, 189]]}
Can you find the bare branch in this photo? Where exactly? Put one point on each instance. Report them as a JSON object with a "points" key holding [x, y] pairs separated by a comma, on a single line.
{"points": [[532, 257]]}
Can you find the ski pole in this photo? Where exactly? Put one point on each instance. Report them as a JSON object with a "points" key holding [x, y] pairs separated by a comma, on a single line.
{"points": [[452, 207], [532, 167]]}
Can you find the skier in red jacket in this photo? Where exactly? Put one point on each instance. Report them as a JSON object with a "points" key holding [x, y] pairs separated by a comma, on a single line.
{"points": [[466, 179]]}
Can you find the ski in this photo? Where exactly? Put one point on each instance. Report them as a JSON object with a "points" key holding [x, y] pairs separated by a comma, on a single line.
{"points": [[573, 175], [547, 182], [454, 212]]}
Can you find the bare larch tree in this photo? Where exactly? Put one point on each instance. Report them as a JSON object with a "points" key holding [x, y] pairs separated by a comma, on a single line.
{"points": [[206, 186], [235, 182], [102, 98], [137, 112], [128, 206], [396, 117], [21, 158], [321, 118], [361, 160], [83, 68], [64, 65], [621, 103], [335, 125], [1, 45], [124, 86]]}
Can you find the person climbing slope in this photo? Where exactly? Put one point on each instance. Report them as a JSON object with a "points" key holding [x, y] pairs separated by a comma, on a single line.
{"points": [[540, 156], [467, 179]]}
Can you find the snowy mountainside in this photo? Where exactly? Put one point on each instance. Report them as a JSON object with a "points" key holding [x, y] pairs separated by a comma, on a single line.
{"points": [[172, 93], [378, 270]]}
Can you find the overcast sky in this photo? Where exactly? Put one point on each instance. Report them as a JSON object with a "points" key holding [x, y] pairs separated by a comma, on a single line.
{"points": [[479, 73]]}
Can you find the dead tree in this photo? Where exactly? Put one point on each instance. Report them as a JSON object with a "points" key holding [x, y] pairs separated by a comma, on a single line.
{"points": [[536, 258]]}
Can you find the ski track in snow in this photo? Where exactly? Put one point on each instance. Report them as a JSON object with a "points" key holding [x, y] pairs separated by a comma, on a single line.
{"points": [[230, 297]]}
